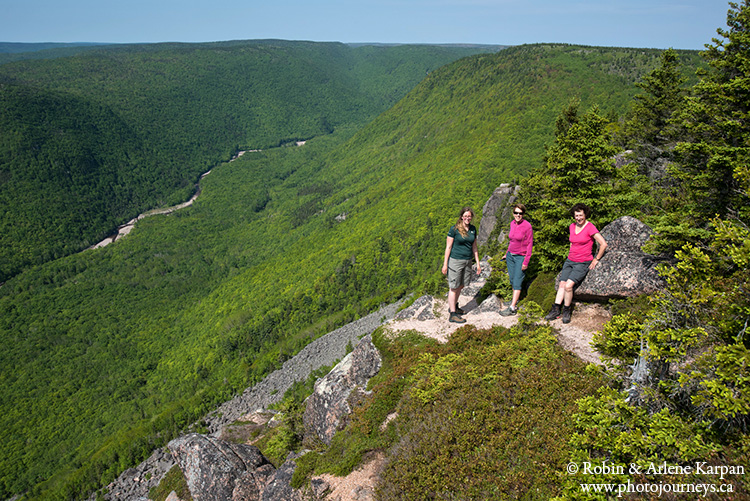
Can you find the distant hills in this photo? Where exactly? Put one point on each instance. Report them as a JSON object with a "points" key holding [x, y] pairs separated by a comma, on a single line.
{"points": [[19, 47], [113, 351], [95, 138]]}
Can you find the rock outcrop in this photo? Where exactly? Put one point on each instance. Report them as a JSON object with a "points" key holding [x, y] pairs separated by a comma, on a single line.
{"points": [[625, 270], [279, 486], [219, 470], [134, 483], [420, 309], [491, 304], [497, 208], [331, 401], [323, 351], [215, 469]]}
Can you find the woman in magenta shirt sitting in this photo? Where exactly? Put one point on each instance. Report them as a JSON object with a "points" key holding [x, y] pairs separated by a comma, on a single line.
{"points": [[580, 260], [520, 246]]}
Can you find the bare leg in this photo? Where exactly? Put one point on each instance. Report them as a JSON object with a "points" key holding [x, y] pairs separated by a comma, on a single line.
{"points": [[568, 292], [560, 293], [516, 297], [453, 296]]}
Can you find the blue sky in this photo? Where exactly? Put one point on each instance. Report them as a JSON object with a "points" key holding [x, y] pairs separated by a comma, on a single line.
{"points": [[682, 24]]}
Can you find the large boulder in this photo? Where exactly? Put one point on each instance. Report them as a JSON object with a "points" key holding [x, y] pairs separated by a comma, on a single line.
{"points": [[625, 270], [279, 486], [497, 208], [214, 468], [329, 405]]}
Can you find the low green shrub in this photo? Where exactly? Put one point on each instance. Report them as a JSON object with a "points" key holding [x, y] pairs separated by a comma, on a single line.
{"points": [[175, 481], [485, 415]]}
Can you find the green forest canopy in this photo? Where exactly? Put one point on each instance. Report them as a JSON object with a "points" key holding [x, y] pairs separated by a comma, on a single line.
{"points": [[94, 139]]}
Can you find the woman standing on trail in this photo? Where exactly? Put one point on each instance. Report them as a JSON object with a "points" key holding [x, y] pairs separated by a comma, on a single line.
{"points": [[520, 246], [580, 260], [460, 246]]}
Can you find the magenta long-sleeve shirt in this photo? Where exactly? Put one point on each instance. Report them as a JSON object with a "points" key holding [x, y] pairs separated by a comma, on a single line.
{"points": [[521, 240]]}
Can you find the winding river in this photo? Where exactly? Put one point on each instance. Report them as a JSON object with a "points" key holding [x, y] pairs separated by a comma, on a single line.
{"points": [[128, 227]]}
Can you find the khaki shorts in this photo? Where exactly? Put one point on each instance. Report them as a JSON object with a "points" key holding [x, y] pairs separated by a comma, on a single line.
{"points": [[459, 272]]}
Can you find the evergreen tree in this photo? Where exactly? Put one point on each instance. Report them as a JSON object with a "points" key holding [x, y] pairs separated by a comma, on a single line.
{"points": [[648, 123], [716, 124], [711, 157], [579, 167], [648, 129]]}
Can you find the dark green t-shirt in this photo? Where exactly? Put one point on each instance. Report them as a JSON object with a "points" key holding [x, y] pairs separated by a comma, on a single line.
{"points": [[462, 246]]}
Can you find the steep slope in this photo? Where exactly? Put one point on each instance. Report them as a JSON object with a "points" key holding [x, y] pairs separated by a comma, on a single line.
{"points": [[115, 350], [153, 118], [68, 171]]}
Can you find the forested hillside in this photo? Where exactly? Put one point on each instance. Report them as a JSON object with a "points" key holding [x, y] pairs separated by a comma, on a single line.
{"points": [[667, 414], [113, 351], [92, 140]]}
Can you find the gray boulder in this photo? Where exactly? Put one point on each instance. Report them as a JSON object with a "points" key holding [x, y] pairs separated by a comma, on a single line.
{"points": [[213, 468], [497, 209], [420, 309], [625, 270], [490, 305], [279, 486], [329, 405]]}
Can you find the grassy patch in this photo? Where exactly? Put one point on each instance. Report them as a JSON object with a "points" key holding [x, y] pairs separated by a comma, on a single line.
{"points": [[175, 481], [542, 289]]}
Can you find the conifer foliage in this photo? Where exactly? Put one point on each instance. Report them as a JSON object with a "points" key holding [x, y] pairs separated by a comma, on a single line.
{"points": [[579, 167], [692, 402], [715, 124]]}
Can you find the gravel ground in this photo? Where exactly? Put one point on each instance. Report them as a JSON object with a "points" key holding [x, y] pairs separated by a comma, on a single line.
{"points": [[323, 351]]}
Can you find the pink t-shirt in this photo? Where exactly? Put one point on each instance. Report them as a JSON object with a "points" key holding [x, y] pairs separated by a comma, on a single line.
{"points": [[582, 244], [521, 240]]}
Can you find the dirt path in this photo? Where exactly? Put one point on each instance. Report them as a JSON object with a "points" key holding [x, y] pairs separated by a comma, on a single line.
{"points": [[431, 319], [575, 336]]}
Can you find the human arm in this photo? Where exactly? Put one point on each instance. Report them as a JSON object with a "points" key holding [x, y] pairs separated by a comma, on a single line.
{"points": [[448, 247], [600, 252], [529, 248], [475, 251]]}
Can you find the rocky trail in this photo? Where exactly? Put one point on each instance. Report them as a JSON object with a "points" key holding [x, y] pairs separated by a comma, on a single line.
{"points": [[429, 316]]}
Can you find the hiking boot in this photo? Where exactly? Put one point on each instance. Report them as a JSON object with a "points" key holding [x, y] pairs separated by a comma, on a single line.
{"points": [[554, 312], [509, 311], [456, 318], [566, 311], [459, 310]]}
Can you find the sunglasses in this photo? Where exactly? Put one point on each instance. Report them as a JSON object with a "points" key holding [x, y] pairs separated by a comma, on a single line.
{"points": [[518, 213]]}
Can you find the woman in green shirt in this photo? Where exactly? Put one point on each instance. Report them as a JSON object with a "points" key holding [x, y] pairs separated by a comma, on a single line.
{"points": [[459, 249]]}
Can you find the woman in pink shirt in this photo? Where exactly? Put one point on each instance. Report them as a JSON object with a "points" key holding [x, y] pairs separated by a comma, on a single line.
{"points": [[520, 246], [580, 260]]}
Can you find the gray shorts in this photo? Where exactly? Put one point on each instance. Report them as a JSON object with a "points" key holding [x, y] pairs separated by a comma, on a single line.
{"points": [[459, 272], [574, 271]]}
